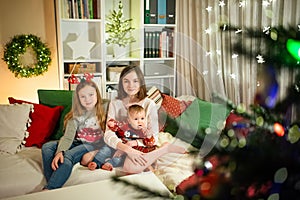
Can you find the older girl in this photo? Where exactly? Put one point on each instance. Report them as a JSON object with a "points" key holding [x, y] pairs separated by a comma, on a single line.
{"points": [[132, 90]]}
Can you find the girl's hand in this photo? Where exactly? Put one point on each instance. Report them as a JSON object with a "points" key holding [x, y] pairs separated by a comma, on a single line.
{"points": [[137, 157], [59, 157]]}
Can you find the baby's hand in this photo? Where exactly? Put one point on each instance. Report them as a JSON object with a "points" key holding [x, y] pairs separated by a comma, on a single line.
{"points": [[149, 142]]}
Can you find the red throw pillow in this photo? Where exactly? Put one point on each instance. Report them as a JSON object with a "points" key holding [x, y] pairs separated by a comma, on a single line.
{"points": [[43, 122], [173, 107]]}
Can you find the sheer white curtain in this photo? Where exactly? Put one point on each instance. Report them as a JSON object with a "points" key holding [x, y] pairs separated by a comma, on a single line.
{"points": [[204, 58]]}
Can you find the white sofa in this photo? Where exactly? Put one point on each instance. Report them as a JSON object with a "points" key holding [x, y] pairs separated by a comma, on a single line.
{"points": [[22, 173], [21, 167]]}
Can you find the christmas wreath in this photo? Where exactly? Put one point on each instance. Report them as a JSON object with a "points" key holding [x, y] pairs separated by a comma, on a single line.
{"points": [[17, 47]]}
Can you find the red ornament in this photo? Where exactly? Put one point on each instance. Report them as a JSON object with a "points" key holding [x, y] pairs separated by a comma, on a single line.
{"points": [[278, 129]]}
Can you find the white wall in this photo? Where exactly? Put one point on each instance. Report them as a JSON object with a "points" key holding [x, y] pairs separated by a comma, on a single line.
{"points": [[27, 17]]}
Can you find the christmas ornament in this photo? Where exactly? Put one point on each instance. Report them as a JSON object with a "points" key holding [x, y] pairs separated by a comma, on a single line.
{"points": [[293, 47]]}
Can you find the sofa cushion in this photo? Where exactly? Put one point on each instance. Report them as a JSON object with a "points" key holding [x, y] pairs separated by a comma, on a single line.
{"points": [[54, 98], [154, 94], [43, 122], [14, 119], [200, 119], [172, 106]]}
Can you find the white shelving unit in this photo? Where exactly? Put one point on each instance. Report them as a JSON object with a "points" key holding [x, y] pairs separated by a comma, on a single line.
{"points": [[82, 41]]}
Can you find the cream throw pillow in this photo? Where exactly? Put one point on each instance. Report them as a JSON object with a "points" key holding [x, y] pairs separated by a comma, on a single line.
{"points": [[14, 119]]}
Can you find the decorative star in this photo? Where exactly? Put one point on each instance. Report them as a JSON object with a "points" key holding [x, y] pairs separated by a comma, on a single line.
{"points": [[218, 52], [234, 55], [209, 9], [81, 47], [224, 27], [260, 59], [208, 31], [219, 72], [265, 3], [208, 53], [233, 76], [242, 4], [238, 31], [205, 72], [221, 3], [266, 29]]}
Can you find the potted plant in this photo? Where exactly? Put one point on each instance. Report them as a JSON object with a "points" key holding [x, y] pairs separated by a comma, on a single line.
{"points": [[119, 29]]}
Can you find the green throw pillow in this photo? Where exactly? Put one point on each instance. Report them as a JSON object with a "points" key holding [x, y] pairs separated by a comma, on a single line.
{"points": [[54, 98], [200, 122]]}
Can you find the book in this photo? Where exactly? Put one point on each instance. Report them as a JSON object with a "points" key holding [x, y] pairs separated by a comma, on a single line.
{"points": [[161, 12]]}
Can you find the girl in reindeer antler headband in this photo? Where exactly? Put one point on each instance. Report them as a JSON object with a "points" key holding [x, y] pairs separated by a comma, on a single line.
{"points": [[83, 132]]}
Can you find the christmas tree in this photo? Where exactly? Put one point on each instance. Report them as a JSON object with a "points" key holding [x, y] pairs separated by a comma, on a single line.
{"points": [[258, 153], [119, 28]]}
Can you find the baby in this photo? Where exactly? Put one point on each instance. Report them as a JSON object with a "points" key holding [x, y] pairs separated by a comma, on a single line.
{"points": [[130, 132]]}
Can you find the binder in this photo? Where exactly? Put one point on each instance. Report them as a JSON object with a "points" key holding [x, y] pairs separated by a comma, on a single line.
{"points": [[157, 34], [153, 11], [147, 12], [150, 47], [170, 43], [146, 47], [162, 11], [171, 10]]}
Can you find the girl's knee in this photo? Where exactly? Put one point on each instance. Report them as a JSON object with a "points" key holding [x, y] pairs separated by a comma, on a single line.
{"points": [[49, 146]]}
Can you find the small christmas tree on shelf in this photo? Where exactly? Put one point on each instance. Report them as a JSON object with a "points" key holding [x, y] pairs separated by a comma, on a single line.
{"points": [[118, 28]]}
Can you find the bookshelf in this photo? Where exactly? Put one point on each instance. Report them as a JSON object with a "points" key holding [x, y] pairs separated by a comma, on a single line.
{"points": [[80, 34], [82, 47], [158, 27]]}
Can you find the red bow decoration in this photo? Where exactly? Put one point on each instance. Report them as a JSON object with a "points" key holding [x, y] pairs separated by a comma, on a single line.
{"points": [[73, 79], [76, 80]]}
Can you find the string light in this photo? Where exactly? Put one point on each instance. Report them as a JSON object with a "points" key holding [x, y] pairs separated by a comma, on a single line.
{"points": [[233, 76], [265, 3], [260, 59], [221, 3], [242, 4], [205, 72], [234, 55], [208, 31], [238, 31], [209, 9], [208, 53], [266, 29]]}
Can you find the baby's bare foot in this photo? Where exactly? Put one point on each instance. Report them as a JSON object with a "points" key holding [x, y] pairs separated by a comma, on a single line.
{"points": [[107, 166], [172, 148], [92, 166]]}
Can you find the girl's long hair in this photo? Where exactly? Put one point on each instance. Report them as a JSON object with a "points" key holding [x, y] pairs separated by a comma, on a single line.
{"points": [[142, 92], [78, 109]]}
